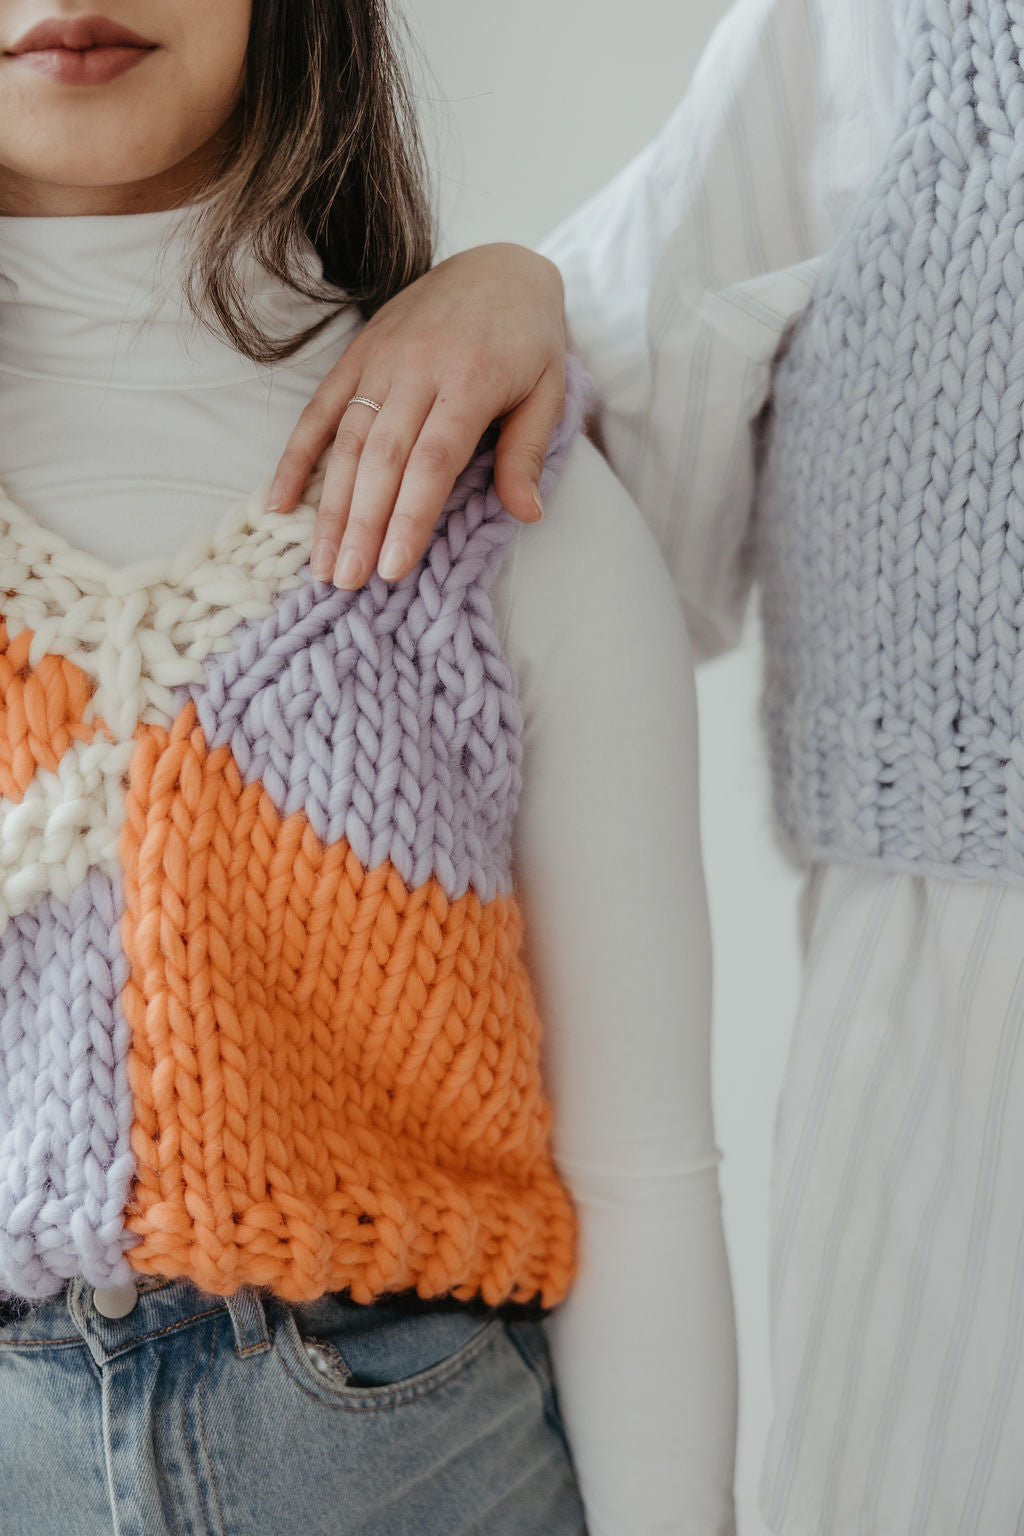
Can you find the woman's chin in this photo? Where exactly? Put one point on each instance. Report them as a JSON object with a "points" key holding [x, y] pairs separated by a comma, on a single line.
{"points": [[91, 173], [76, 159], [122, 134]]}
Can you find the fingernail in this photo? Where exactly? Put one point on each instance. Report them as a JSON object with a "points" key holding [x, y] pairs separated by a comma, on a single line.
{"points": [[349, 570], [275, 497], [392, 560], [321, 560], [539, 503]]}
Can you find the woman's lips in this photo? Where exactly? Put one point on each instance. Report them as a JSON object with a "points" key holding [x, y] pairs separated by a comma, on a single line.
{"points": [[82, 66], [88, 50]]}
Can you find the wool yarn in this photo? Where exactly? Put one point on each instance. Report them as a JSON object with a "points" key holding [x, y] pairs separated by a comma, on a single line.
{"points": [[890, 515], [265, 1018]]}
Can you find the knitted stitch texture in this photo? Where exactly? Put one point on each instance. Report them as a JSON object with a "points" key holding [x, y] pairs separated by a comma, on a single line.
{"points": [[890, 518], [264, 1012]]}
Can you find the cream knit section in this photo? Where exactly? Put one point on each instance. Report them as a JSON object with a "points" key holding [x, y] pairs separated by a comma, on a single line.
{"points": [[67, 822], [142, 631]]}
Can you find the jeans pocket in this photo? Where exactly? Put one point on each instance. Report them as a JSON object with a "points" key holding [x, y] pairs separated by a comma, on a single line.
{"points": [[531, 1342], [383, 1352]]}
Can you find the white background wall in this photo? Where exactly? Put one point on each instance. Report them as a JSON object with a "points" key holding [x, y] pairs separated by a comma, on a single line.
{"points": [[533, 106]]}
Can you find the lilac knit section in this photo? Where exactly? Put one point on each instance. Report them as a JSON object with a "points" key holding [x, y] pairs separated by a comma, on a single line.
{"points": [[65, 1108], [389, 716]]}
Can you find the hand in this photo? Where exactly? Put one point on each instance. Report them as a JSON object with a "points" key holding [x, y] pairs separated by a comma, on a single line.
{"points": [[480, 337]]}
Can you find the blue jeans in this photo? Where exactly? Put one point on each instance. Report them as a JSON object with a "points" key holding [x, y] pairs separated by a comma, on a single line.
{"points": [[202, 1415]]}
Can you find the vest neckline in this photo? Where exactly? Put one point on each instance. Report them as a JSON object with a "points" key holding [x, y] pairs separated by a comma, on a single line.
{"points": [[141, 632], [55, 561]]}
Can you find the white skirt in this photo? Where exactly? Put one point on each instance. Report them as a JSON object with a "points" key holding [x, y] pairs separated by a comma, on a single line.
{"points": [[897, 1266]]}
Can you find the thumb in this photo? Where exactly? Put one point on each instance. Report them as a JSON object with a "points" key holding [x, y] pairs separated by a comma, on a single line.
{"points": [[523, 444]]}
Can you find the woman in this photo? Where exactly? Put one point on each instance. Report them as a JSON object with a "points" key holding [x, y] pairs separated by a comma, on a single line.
{"points": [[280, 1197]]}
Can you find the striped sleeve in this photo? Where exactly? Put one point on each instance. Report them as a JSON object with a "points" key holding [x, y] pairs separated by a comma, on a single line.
{"points": [[682, 273]]}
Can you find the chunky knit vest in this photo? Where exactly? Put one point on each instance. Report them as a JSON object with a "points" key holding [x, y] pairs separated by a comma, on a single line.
{"points": [[263, 1011], [890, 518]]}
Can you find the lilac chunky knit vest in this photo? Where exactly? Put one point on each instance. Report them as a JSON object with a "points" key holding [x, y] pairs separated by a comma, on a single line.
{"points": [[891, 505]]}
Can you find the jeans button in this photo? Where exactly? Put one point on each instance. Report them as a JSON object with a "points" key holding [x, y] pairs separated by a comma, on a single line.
{"points": [[114, 1300]]}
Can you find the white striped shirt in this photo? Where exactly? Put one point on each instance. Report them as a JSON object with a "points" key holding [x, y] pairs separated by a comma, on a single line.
{"points": [[897, 1267], [682, 274]]}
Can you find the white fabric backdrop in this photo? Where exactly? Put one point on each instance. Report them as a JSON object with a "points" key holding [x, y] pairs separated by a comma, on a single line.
{"points": [[528, 109]]}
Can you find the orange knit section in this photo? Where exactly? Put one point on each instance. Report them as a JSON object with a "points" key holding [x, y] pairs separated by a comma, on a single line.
{"points": [[41, 712], [336, 1080]]}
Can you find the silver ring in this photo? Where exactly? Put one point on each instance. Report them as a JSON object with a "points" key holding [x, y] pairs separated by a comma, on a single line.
{"points": [[362, 400]]}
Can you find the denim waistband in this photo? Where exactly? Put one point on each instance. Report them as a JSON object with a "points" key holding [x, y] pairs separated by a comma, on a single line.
{"points": [[165, 1302], [161, 1306]]}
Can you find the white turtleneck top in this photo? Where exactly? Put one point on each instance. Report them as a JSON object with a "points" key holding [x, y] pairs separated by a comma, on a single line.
{"points": [[128, 429]]}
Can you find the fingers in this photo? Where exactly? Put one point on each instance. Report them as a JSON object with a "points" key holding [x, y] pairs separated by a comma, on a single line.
{"points": [[389, 474], [361, 482], [523, 445], [313, 431], [443, 448]]}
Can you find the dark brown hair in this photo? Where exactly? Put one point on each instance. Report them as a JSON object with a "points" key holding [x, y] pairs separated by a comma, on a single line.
{"points": [[325, 148]]}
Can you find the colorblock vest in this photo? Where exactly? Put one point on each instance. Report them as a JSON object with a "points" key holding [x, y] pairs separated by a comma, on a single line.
{"points": [[890, 515], [264, 1017]]}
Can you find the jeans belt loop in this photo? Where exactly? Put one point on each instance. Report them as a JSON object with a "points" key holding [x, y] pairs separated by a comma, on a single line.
{"points": [[249, 1320]]}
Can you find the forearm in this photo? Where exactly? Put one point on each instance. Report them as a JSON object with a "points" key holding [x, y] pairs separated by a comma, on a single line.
{"points": [[644, 1355]]}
